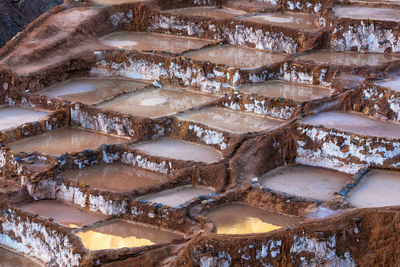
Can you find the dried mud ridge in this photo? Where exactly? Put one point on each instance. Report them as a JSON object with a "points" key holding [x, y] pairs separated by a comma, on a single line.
{"points": [[202, 133]]}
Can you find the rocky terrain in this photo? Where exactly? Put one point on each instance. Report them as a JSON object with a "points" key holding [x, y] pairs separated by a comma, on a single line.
{"points": [[17, 14]]}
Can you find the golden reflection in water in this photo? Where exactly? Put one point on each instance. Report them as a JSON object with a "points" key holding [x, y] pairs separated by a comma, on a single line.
{"points": [[250, 225], [93, 240], [73, 225]]}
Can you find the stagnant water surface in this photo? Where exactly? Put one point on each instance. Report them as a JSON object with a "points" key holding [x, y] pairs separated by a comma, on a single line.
{"points": [[210, 12], [297, 92], [181, 150], [116, 177], [368, 13], [292, 20], [152, 41], [348, 58], [378, 188], [323, 212], [306, 181], [64, 140], [244, 219], [349, 81], [11, 259], [117, 2], [231, 120], [156, 102], [91, 91], [177, 196], [14, 116], [355, 123], [120, 234], [237, 57], [67, 215], [391, 83], [375, 1]]}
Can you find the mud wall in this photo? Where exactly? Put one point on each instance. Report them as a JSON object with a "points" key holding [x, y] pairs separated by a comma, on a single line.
{"points": [[121, 204], [236, 32], [365, 36], [205, 76], [170, 4], [224, 141], [376, 101], [344, 151], [280, 108], [332, 242], [39, 238], [261, 154]]}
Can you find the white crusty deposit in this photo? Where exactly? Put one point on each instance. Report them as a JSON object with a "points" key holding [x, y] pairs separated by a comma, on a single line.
{"points": [[238, 35], [185, 71], [343, 151], [36, 240], [365, 38]]}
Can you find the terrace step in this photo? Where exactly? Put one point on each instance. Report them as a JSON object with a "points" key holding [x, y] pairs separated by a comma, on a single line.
{"points": [[64, 140], [306, 181], [229, 120], [179, 150], [13, 116], [299, 21], [209, 12], [355, 123], [378, 188], [124, 234], [145, 41], [347, 142], [245, 219], [66, 215], [252, 6], [283, 89], [237, 57], [392, 83], [116, 2], [373, 3], [208, 165], [154, 102], [115, 177], [348, 58], [177, 196], [367, 13], [92, 91]]}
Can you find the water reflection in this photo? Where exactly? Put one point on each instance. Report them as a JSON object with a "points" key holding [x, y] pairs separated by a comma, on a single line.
{"points": [[119, 234], [245, 219]]}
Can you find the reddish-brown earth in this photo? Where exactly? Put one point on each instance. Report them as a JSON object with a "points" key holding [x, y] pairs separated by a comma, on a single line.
{"points": [[176, 133]]}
